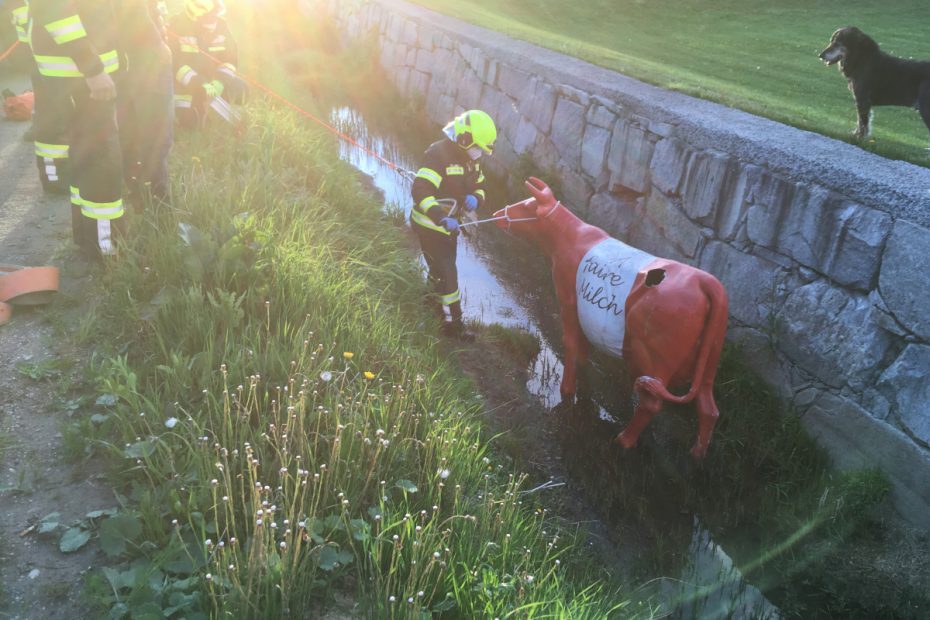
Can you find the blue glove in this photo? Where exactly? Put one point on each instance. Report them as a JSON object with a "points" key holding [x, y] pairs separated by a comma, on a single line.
{"points": [[471, 203], [450, 223]]}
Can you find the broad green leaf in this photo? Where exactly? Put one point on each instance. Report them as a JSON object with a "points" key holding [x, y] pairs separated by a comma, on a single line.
{"points": [[147, 611], [444, 605], [99, 418], [73, 539], [105, 512], [116, 531], [106, 400], [118, 611], [49, 523], [406, 485], [329, 557], [140, 449], [361, 529], [345, 557]]}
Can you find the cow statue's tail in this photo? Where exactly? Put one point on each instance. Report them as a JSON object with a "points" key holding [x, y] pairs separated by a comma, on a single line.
{"points": [[715, 328]]}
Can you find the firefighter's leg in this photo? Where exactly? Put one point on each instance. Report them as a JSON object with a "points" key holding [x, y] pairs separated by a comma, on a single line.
{"points": [[96, 197], [185, 108], [428, 241], [54, 113], [146, 128], [234, 87]]}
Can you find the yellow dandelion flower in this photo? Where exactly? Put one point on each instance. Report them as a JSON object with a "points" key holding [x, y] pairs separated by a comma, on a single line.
{"points": [[369, 375], [348, 355]]}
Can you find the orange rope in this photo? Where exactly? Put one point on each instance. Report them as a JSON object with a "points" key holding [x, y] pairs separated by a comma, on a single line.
{"points": [[8, 51], [303, 112]]}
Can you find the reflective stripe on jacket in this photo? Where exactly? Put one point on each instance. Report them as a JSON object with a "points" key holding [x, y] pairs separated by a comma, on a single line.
{"points": [[74, 38], [447, 172], [199, 56]]}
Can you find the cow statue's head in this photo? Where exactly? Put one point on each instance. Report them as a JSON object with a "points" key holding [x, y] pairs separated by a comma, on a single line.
{"points": [[529, 218]]}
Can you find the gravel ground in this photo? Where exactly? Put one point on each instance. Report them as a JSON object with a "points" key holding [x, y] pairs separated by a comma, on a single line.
{"points": [[36, 579]]}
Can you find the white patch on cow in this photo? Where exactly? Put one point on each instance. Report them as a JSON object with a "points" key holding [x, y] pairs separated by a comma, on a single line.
{"points": [[603, 283]]}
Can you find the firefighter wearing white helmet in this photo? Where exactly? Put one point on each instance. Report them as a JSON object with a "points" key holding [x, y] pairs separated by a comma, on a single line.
{"points": [[205, 63], [451, 169]]}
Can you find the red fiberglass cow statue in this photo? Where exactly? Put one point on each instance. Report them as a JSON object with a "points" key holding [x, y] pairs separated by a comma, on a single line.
{"points": [[666, 319]]}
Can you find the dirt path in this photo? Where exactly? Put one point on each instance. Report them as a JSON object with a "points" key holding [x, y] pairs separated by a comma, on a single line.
{"points": [[38, 367]]}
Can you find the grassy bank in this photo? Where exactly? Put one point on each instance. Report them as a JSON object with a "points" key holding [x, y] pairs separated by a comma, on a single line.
{"points": [[757, 56], [281, 424]]}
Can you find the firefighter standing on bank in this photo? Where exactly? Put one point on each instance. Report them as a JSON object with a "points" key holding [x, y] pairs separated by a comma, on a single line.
{"points": [[205, 60], [450, 169], [50, 126], [74, 43], [146, 101]]}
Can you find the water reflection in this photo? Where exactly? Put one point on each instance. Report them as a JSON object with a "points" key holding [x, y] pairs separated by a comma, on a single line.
{"points": [[499, 285]]}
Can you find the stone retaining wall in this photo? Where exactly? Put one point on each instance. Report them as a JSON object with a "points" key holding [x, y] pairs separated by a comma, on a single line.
{"points": [[823, 247]]}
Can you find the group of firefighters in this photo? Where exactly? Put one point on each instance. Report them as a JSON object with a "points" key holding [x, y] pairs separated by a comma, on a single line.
{"points": [[108, 79]]}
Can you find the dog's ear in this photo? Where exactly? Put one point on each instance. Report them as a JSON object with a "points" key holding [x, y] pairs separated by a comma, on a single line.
{"points": [[861, 40]]}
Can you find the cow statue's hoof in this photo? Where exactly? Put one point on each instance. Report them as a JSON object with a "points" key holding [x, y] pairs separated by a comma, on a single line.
{"points": [[698, 451], [624, 441]]}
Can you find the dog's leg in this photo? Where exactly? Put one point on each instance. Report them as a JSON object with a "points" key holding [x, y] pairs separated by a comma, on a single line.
{"points": [[864, 110], [923, 103]]}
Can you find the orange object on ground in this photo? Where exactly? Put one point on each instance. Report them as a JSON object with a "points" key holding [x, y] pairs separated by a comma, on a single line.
{"points": [[19, 107], [25, 286], [666, 319]]}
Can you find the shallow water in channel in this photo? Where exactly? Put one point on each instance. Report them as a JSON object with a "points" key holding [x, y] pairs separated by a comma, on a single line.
{"points": [[501, 282]]}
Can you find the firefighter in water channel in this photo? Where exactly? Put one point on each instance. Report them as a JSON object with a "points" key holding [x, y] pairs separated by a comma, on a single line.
{"points": [[205, 59], [450, 169], [74, 43]]}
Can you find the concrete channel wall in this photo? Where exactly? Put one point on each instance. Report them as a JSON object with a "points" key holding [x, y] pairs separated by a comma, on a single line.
{"points": [[823, 247]]}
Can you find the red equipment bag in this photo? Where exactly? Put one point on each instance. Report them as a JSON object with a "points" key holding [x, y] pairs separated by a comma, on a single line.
{"points": [[19, 107]]}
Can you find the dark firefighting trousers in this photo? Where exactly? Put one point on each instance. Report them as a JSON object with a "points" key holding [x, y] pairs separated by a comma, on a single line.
{"points": [[439, 251], [96, 169], [146, 129], [51, 127]]}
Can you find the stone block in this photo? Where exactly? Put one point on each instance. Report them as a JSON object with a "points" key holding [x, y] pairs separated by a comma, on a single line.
{"points": [[903, 278], [637, 151], [617, 141], [732, 212], [594, 150], [615, 214], [858, 238], [516, 83], [705, 183], [574, 95], [469, 91], [855, 440], [576, 190], [836, 237], [424, 61], [906, 384], [525, 137], [411, 59], [419, 83], [751, 282], [668, 165], [567, 125], [680, 232], [833, 335], [601, 116], [540, 108], [410, 36]]}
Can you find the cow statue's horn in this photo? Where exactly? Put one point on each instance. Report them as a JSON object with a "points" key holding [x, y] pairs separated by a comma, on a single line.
{"points": [[541, 192]]}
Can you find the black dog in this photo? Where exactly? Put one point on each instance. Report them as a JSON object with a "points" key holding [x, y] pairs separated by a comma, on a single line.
{"points": [[876, 78]]}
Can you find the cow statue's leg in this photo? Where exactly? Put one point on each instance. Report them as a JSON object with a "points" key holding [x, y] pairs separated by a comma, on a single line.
{"points": [[576, 351], [647, 405], [707, 414]]}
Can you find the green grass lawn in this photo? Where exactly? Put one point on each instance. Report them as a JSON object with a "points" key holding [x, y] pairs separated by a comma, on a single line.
{"points": [[754, 55]]}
